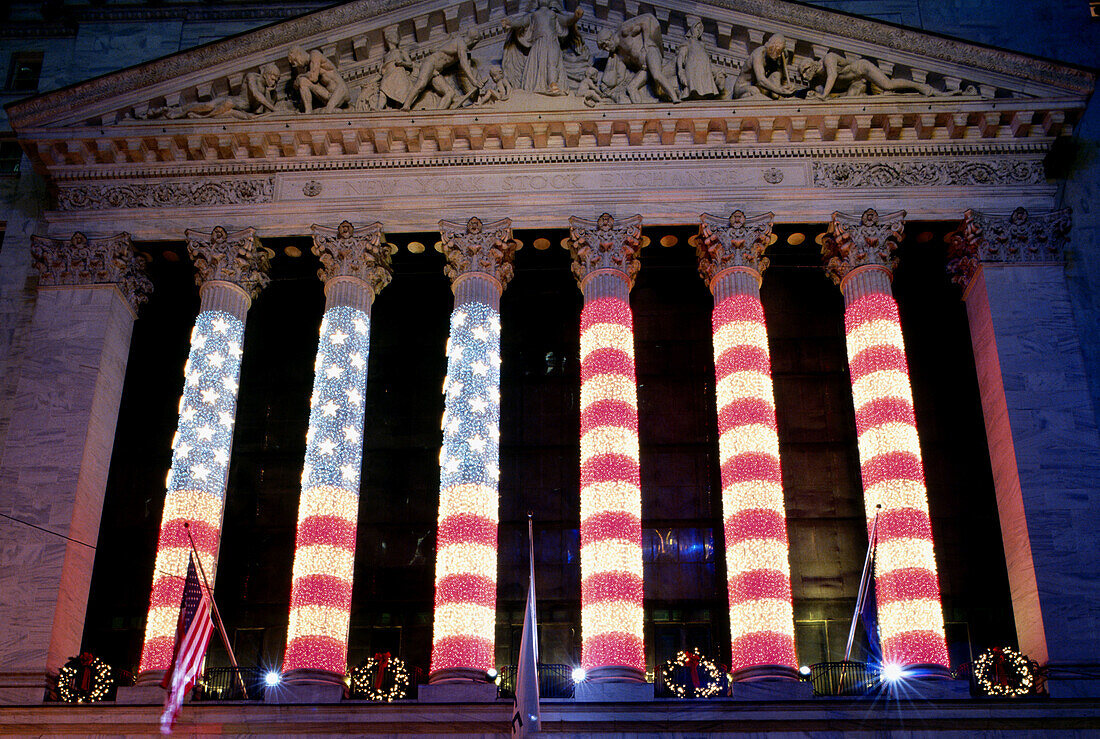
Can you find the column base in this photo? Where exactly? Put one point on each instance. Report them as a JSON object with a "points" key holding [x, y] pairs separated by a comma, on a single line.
{"points": [[612, 692], [467, 691], [765, 672], [614, 674], [307, 686], [1073, 680], [458, 675], [143, 695], [772, 689], [22, 687]]}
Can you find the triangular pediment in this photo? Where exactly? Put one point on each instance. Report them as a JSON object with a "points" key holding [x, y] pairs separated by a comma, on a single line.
{"points": [[351, 36], [237, 98]]}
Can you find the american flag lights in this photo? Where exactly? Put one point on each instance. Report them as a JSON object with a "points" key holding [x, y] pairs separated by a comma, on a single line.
{"points": [[611, 533], [906, 587], [759, 580], [466, 546], [320, 599], [197, 479]]}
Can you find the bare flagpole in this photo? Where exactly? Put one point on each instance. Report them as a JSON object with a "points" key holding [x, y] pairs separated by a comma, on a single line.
{"points": [[864, 584], [214, 609]]}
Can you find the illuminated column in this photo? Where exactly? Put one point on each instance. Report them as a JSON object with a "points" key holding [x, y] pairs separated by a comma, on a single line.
{"points": [[479, 265], [731, 260], [605, 262], [859, 257], [230, 271], [56, 455], [355, 266]]}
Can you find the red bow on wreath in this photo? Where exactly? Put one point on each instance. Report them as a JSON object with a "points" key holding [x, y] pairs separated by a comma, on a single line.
{"points": [[383, 659], [691, 661], [83, 677], [1000, 668]]}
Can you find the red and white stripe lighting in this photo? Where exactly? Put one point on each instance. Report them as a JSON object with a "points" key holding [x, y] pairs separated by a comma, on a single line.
{"points": [[611, 500], [761, 615], [906, 588]]}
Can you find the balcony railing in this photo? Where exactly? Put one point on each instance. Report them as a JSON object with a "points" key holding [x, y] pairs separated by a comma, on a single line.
{"points": [[221, 684], [844, 678], [555, 681]]}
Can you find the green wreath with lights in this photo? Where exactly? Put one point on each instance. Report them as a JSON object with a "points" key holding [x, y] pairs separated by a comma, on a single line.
{"points": [[691, 675], [84, 679], [1002, 671], [382, 677]]}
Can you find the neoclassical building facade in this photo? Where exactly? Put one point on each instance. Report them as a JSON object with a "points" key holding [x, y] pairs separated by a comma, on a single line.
{"points": [[730, 134]]}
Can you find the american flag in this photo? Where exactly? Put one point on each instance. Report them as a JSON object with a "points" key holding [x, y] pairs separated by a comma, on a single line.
{"points": [[192, 635]]}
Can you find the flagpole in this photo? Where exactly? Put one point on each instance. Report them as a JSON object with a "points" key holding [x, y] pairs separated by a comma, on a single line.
{"points": [[214, 609], [864, 583]]}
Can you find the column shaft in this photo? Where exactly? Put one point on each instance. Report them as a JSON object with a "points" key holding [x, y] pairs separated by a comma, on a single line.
{"points": [[907, 590], [753, 511]]}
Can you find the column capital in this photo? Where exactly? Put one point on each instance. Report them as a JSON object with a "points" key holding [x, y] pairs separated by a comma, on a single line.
{"points": [[605, 243], [83, 261], [737, 241], [1016, 238], [350, 251], [478, 247], [238, 258], [862, 240]]}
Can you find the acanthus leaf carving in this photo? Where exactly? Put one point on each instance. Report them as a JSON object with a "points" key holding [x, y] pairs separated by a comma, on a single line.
{"points": [[1016, 238], [605, 243], [83, 261], [736, 241], [166, 194], [927, 173], [348, 251], [477, 247], [238, 257], [861, 240]]}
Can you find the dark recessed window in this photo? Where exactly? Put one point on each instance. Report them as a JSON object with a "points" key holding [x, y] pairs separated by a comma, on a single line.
{"points": [[23, 73], [10, 157]]}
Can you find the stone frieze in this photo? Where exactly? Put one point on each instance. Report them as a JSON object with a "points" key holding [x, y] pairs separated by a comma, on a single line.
{"points": [[959, 172], [166, 194]]}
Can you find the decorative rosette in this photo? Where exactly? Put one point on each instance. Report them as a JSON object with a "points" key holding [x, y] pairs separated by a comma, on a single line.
{"points": [[1003, 671], [691, 675], [382, 677], [84, 679]]}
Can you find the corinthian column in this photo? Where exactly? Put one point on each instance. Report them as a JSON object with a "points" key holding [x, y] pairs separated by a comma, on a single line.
{"points": [[1042, 433], [65, 408], [605, 261], [732, 261], [355, 266], [479, 265], [230, 270], [859, 253]]}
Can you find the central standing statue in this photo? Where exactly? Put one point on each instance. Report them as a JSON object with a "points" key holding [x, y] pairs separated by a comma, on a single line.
{"points": [[540, 32]]}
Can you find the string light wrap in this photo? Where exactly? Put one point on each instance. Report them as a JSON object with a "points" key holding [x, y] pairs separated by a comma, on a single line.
{"points": [[859, 253], [731, 260], [479, 265], [382, 677], [703, 678], [1002, 671], [84, 679], [355, 266], [605, 263], [230, 271]]}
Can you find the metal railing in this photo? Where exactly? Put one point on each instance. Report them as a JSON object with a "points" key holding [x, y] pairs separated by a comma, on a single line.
{"points": [[844, 678], [555, 681], [221, 684]]}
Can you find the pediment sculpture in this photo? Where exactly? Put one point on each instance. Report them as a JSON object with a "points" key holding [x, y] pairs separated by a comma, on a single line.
{"points": [[547, 58]]}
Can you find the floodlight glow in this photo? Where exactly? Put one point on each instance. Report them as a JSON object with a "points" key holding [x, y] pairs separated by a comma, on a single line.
{"points": [[272, 678], [804, 670], [892, 672], [491, 673], [579, 674]]}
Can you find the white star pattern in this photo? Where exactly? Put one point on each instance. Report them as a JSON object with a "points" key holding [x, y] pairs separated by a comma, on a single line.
{"points": [[199, 471], [204, 433], [221, 456], [209, 396], [354, 396], [329, 409], [325, 447], [215, 360], [334, 372], [338, 338], [356, 360], [348, 472], [479, 368], [225, 418], [220, 325], [351, 434]]}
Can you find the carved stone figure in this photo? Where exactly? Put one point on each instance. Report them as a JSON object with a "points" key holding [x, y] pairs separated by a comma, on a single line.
{"points": [[495, 88], [397, 70], [693, 65], [257, 96], [725, 82], [540, 34], [637, 44], [835, 74], [589, 89], [455, 52], [316, 77], [765, 75]]}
